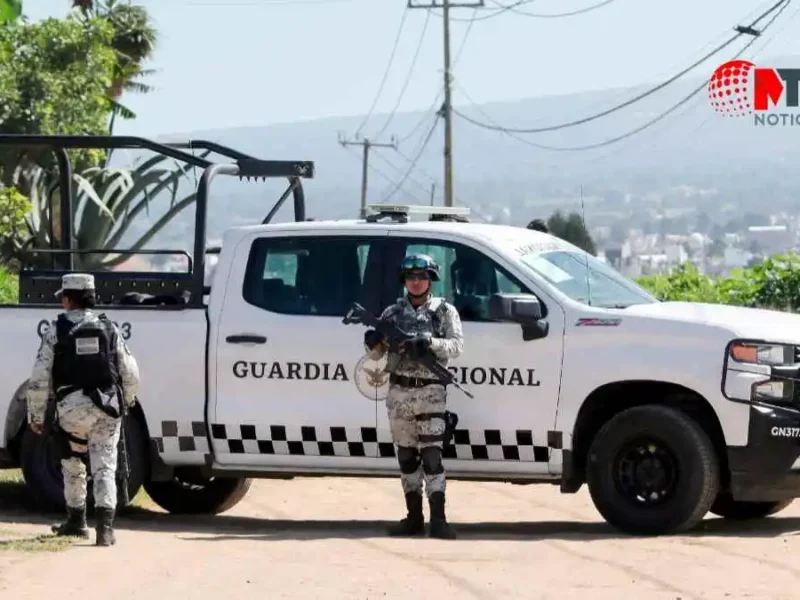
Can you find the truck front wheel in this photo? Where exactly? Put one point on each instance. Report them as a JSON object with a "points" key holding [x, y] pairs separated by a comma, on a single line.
{"points": [[190, 493], [737, 510], [652, 470]]}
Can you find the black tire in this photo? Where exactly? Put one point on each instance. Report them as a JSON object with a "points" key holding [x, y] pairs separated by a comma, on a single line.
{"points": [[189, 493], [736, 510], [688, 478], [40, 459]]}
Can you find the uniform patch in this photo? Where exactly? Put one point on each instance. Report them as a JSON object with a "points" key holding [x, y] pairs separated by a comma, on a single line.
{"points": [[84, 346]]}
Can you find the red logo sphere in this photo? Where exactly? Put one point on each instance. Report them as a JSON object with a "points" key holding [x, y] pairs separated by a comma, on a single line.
{"points": [[729, 87]]}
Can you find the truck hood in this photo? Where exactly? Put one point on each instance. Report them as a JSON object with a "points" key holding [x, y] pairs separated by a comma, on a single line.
{"points": [[769, 325]]}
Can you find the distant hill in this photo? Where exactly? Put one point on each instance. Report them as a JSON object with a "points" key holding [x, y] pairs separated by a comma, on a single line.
{"points": [[506, 180]]}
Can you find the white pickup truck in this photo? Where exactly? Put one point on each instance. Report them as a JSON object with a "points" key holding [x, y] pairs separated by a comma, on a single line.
{"points": [[666, 410]]}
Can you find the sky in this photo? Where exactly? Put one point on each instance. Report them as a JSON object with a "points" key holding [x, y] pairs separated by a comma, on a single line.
{"points": [[242, 63]]}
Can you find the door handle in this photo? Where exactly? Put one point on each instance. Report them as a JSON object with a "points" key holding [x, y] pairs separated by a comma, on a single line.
{"points": [[246, 339]]}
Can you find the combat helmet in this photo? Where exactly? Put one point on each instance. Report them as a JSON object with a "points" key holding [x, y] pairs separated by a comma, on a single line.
{"points": [[419, 262]]}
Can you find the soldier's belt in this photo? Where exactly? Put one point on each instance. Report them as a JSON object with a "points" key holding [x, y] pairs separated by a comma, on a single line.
{"points": [[415, 382]]}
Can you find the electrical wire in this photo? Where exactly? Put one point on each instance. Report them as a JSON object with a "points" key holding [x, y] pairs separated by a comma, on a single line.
{"points": [[386, 72], [400, 170], [497, 12], [408, 76], [779, 6], [415, 159], [377, 171], [707, 118], [633, 100], [517, 11]]}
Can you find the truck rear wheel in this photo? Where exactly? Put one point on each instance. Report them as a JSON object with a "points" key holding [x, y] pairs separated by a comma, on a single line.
{"points": [[652, 470], [40, 458], [725, 506], [190, 493]]}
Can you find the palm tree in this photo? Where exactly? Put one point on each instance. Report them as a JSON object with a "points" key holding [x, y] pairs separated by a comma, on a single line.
{"points": [[134, 42]]}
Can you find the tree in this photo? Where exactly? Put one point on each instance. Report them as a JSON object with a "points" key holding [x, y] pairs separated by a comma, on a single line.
{"points": [[572, 230], [13, 208], [133, 43], [10, 10], [54, 80]]}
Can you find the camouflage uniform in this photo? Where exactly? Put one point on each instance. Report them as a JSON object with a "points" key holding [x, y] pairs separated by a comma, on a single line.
{"points": [[416, 412], [88, 428]]}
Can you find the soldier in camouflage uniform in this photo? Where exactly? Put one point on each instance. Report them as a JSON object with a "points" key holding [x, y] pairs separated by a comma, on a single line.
{"points": [[416, 400], [83, 361]]}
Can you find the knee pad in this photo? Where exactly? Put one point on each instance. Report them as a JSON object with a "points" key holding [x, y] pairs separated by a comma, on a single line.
{"points": [[432, 460], [408, 459]]}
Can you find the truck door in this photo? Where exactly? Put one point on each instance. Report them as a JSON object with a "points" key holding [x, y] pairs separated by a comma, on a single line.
{"points": [[507, 426], [282, 388]]}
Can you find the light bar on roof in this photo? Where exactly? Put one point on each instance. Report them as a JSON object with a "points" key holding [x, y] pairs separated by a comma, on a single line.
{"points": [[419, 209]]}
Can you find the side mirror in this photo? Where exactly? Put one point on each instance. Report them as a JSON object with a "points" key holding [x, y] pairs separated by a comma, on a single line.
{"points": [[518, 308], [524, 309]]}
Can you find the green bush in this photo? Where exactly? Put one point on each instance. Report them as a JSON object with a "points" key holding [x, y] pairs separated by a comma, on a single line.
{"points": [[8, 287], [773, 284]]}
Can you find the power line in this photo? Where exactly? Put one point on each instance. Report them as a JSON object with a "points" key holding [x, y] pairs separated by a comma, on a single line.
{"points": [[366, 144], [498, 12], [401, 170], [408, 75], [386, 72], [377, 171], [447, 112], [740, 32], [514, 9], [416, 158], [779, 6]]}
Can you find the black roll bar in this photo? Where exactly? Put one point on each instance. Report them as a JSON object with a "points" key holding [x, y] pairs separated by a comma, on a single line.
{"points": [[295, 184], [244, 166]]}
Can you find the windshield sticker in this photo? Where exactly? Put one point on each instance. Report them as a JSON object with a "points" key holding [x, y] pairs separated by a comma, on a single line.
{"points": [[598, 322], [537, 248]]}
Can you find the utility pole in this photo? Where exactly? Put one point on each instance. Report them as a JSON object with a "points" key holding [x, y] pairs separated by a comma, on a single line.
{"points": [[366, 144], [446, 110]]}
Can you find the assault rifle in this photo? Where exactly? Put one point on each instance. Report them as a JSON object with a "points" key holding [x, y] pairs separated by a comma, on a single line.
{"points": [[360, 315], [124, 468]]}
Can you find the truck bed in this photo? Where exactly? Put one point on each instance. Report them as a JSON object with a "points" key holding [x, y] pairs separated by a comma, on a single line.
{"points": [[169, 345]]}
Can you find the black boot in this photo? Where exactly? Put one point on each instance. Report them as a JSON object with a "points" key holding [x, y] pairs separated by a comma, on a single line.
{"points": [[75, 525], [105, 532], [414, 523], [439, 526]]}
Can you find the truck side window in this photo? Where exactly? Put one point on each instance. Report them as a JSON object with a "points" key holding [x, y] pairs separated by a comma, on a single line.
{"points": [[306, 275], [468, 278]]}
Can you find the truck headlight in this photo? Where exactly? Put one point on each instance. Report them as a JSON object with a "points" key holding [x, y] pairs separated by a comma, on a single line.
{"points": [[762, 353]]}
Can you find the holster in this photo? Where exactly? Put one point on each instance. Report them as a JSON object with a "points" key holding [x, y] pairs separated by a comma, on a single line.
{"points": [[450, 423], [109, 401]]}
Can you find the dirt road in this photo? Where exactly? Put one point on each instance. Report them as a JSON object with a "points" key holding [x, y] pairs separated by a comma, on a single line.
{"points": [[318, 538]]}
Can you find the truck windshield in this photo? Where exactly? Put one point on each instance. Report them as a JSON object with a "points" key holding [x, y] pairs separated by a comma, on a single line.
{"points": [[585, 279]]}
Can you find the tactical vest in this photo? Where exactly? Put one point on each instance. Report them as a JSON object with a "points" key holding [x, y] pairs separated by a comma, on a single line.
{"points": [[437, 316], [85, 359], [437, 309]]}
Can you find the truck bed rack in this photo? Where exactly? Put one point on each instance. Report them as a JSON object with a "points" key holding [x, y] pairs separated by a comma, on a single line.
{"points": [[38, 285]]}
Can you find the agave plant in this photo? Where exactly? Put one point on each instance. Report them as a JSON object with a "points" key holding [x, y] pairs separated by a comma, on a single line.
{"points": [[106, 202]]}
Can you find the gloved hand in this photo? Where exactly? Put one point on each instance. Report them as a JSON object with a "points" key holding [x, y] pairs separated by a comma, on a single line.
{"points": [[372, 338], [417, 346]]}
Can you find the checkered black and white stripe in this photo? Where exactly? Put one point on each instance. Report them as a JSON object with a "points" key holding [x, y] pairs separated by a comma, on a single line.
{"points": [[467, 444], [177, 436]]}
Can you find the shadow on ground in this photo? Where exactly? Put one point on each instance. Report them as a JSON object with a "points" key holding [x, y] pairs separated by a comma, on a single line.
{"points": [[17, 506]]}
